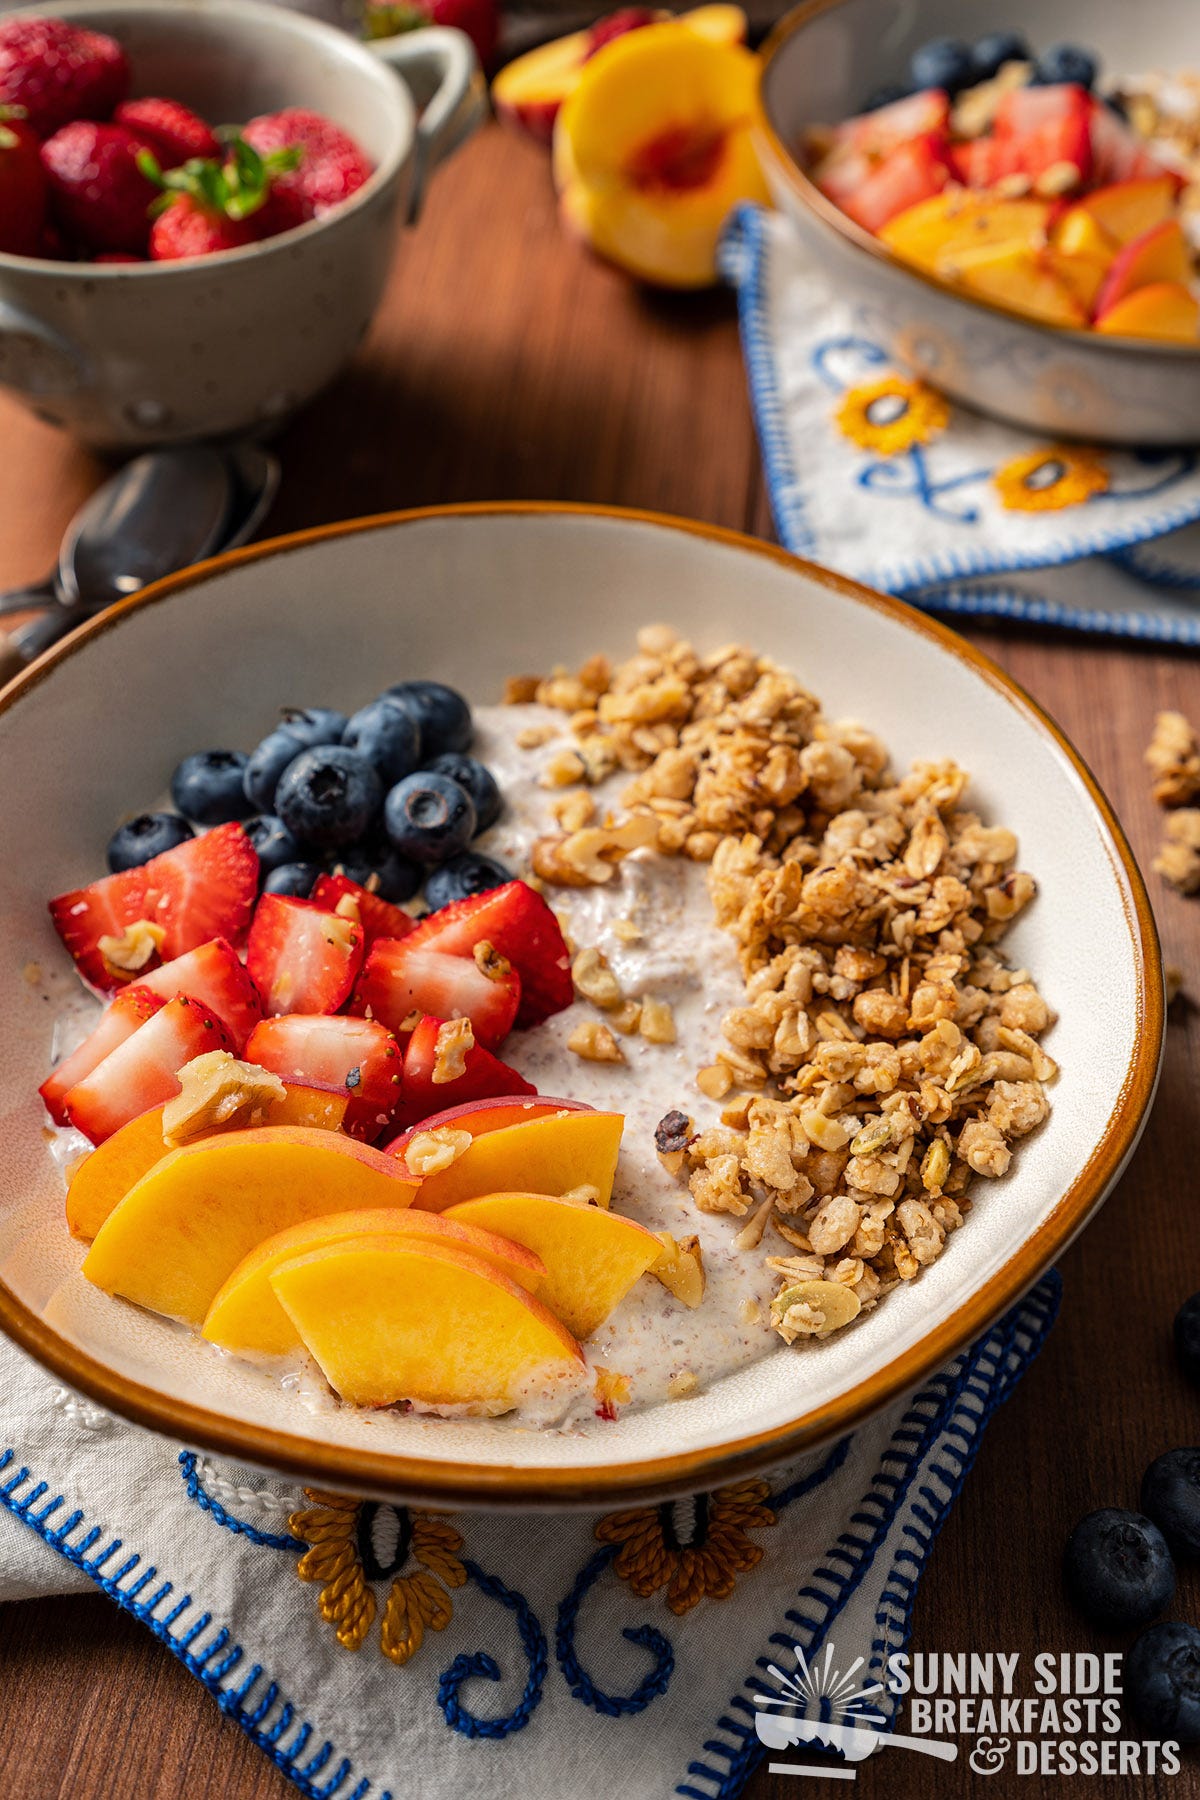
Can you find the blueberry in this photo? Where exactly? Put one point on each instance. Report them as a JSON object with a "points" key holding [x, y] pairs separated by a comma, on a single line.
{"points": [[429, 818], [479, 782], [1162, 1680], [887, 95], [274, 843], [394, 879], [443, 716], [148, 835], [463, 876], [1171, 1497], [1187, 1338], [990, 53], [388, 736], [1117, 1568], [209, 787], [328, 796], [942, 63], [1065, 62], [294, 878], [301, 728]]}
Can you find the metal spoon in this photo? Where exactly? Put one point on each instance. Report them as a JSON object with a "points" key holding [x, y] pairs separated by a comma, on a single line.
{"points": [[164, 511]]}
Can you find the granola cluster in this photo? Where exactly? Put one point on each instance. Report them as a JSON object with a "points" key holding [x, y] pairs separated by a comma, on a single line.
{"points": [[1173, 758], [885, 1054]]}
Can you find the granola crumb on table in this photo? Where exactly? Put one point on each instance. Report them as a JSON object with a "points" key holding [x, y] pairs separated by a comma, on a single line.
{"points": [[1173, 758], [885, 1056]]}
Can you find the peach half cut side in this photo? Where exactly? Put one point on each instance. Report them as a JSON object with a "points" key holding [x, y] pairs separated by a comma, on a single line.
{"points": [[543, 1156], [184, 1227], [654, 149], [246, 1317], [530, 90], [591, 1257], [389, 1318], [105, 1176]]}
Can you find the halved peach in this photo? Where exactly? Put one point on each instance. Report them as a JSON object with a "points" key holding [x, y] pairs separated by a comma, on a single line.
{"points": [[106, 1176], [543, 1156], [654, 148], [592, 1258], [1126, 209], [393, 1319], [478, 1116], [246, 1317], [955, 220], [1016, 276], [180, 1230], [1160, 254], [530, 90], [1164, 309]]}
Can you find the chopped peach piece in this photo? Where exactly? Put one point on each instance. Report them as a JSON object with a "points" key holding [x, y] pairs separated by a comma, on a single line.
{"points": [[1015, 276], [952, 222]]}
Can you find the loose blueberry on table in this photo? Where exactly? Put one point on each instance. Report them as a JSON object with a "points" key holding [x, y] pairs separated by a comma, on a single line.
{"points": [[1117, 1568]]}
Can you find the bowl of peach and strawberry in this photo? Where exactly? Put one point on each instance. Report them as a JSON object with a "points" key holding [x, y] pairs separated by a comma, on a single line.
{"points": [[1015, 233], [175, 182]]}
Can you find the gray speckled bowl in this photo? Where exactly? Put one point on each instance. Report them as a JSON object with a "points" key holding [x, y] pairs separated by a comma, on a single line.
{"points": [[127, 355]]}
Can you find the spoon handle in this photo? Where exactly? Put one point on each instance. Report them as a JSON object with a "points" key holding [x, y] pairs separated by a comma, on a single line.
{"points": [[20, 647], [26, 599]]}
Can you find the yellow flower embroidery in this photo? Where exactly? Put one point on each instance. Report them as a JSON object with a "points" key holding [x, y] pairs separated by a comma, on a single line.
{"points": [[891, 415], [352, 1543], [1046, 480], [693, 1548]]}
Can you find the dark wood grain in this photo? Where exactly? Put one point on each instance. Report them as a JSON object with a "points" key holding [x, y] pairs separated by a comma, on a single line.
{"points": [[504, 363]]}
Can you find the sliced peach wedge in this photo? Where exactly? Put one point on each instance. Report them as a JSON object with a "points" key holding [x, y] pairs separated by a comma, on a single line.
{"points": [[390, 1318], [107, 1174], [959, 220], [1015, 275], [592, 1258], [551, 1155], [1160, 254], [246, 1317], [1162, 309], [653, 150], [478, 1116], [184, 1227], [530, 90], [1126, 209]]}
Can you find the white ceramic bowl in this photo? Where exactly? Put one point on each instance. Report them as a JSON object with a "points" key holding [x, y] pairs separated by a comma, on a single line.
{"points": [[157, 353], [820, 64], [470, 595]]}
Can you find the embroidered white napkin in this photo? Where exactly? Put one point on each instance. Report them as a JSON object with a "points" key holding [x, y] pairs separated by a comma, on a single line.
{"points": [[875, 474], [548, 1643]]}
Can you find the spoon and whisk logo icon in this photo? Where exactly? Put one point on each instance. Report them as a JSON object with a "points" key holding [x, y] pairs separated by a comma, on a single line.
{"points": [[827, 1707]]}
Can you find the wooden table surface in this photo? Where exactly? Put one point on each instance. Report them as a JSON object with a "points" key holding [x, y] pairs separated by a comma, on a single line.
{"points": [[505, 364]]}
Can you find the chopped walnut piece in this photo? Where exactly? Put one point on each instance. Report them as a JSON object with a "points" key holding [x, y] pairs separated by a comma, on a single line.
{"points": [[657, 1024], [611, 1390], [519, 690], [682, 1383], [626, 1017], [594, 980], [1178, 860], [594, 1042], [563, 770], [135, 947], [216, 1089], [680, 1268], [714, 1081], [349, 909], [1173, 758], [454, 1040], [584, 1195], [574, 810], [489, 961], [429, 1152]]}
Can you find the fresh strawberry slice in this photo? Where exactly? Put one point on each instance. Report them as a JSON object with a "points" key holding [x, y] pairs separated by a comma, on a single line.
{"points": [[1047, 127], [398, 982], [120, 1019], [876, 134], [143, 1071], [301, 957], [912, 173], [356, 1057], [982, 162], [202, 889], [380, 919], [484, 1077], [1118, 154], [518, 923], [213, 975]]}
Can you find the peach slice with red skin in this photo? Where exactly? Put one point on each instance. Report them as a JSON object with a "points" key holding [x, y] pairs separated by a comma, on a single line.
{"points": [[106, 1175], [1160, 254], [591, 1257], [530, 90], [653, 150], [389, 1318], [181, 1230], [246, 1317], [1164, 309], [551, 1155], [478, 1116], [1127, 209]]}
